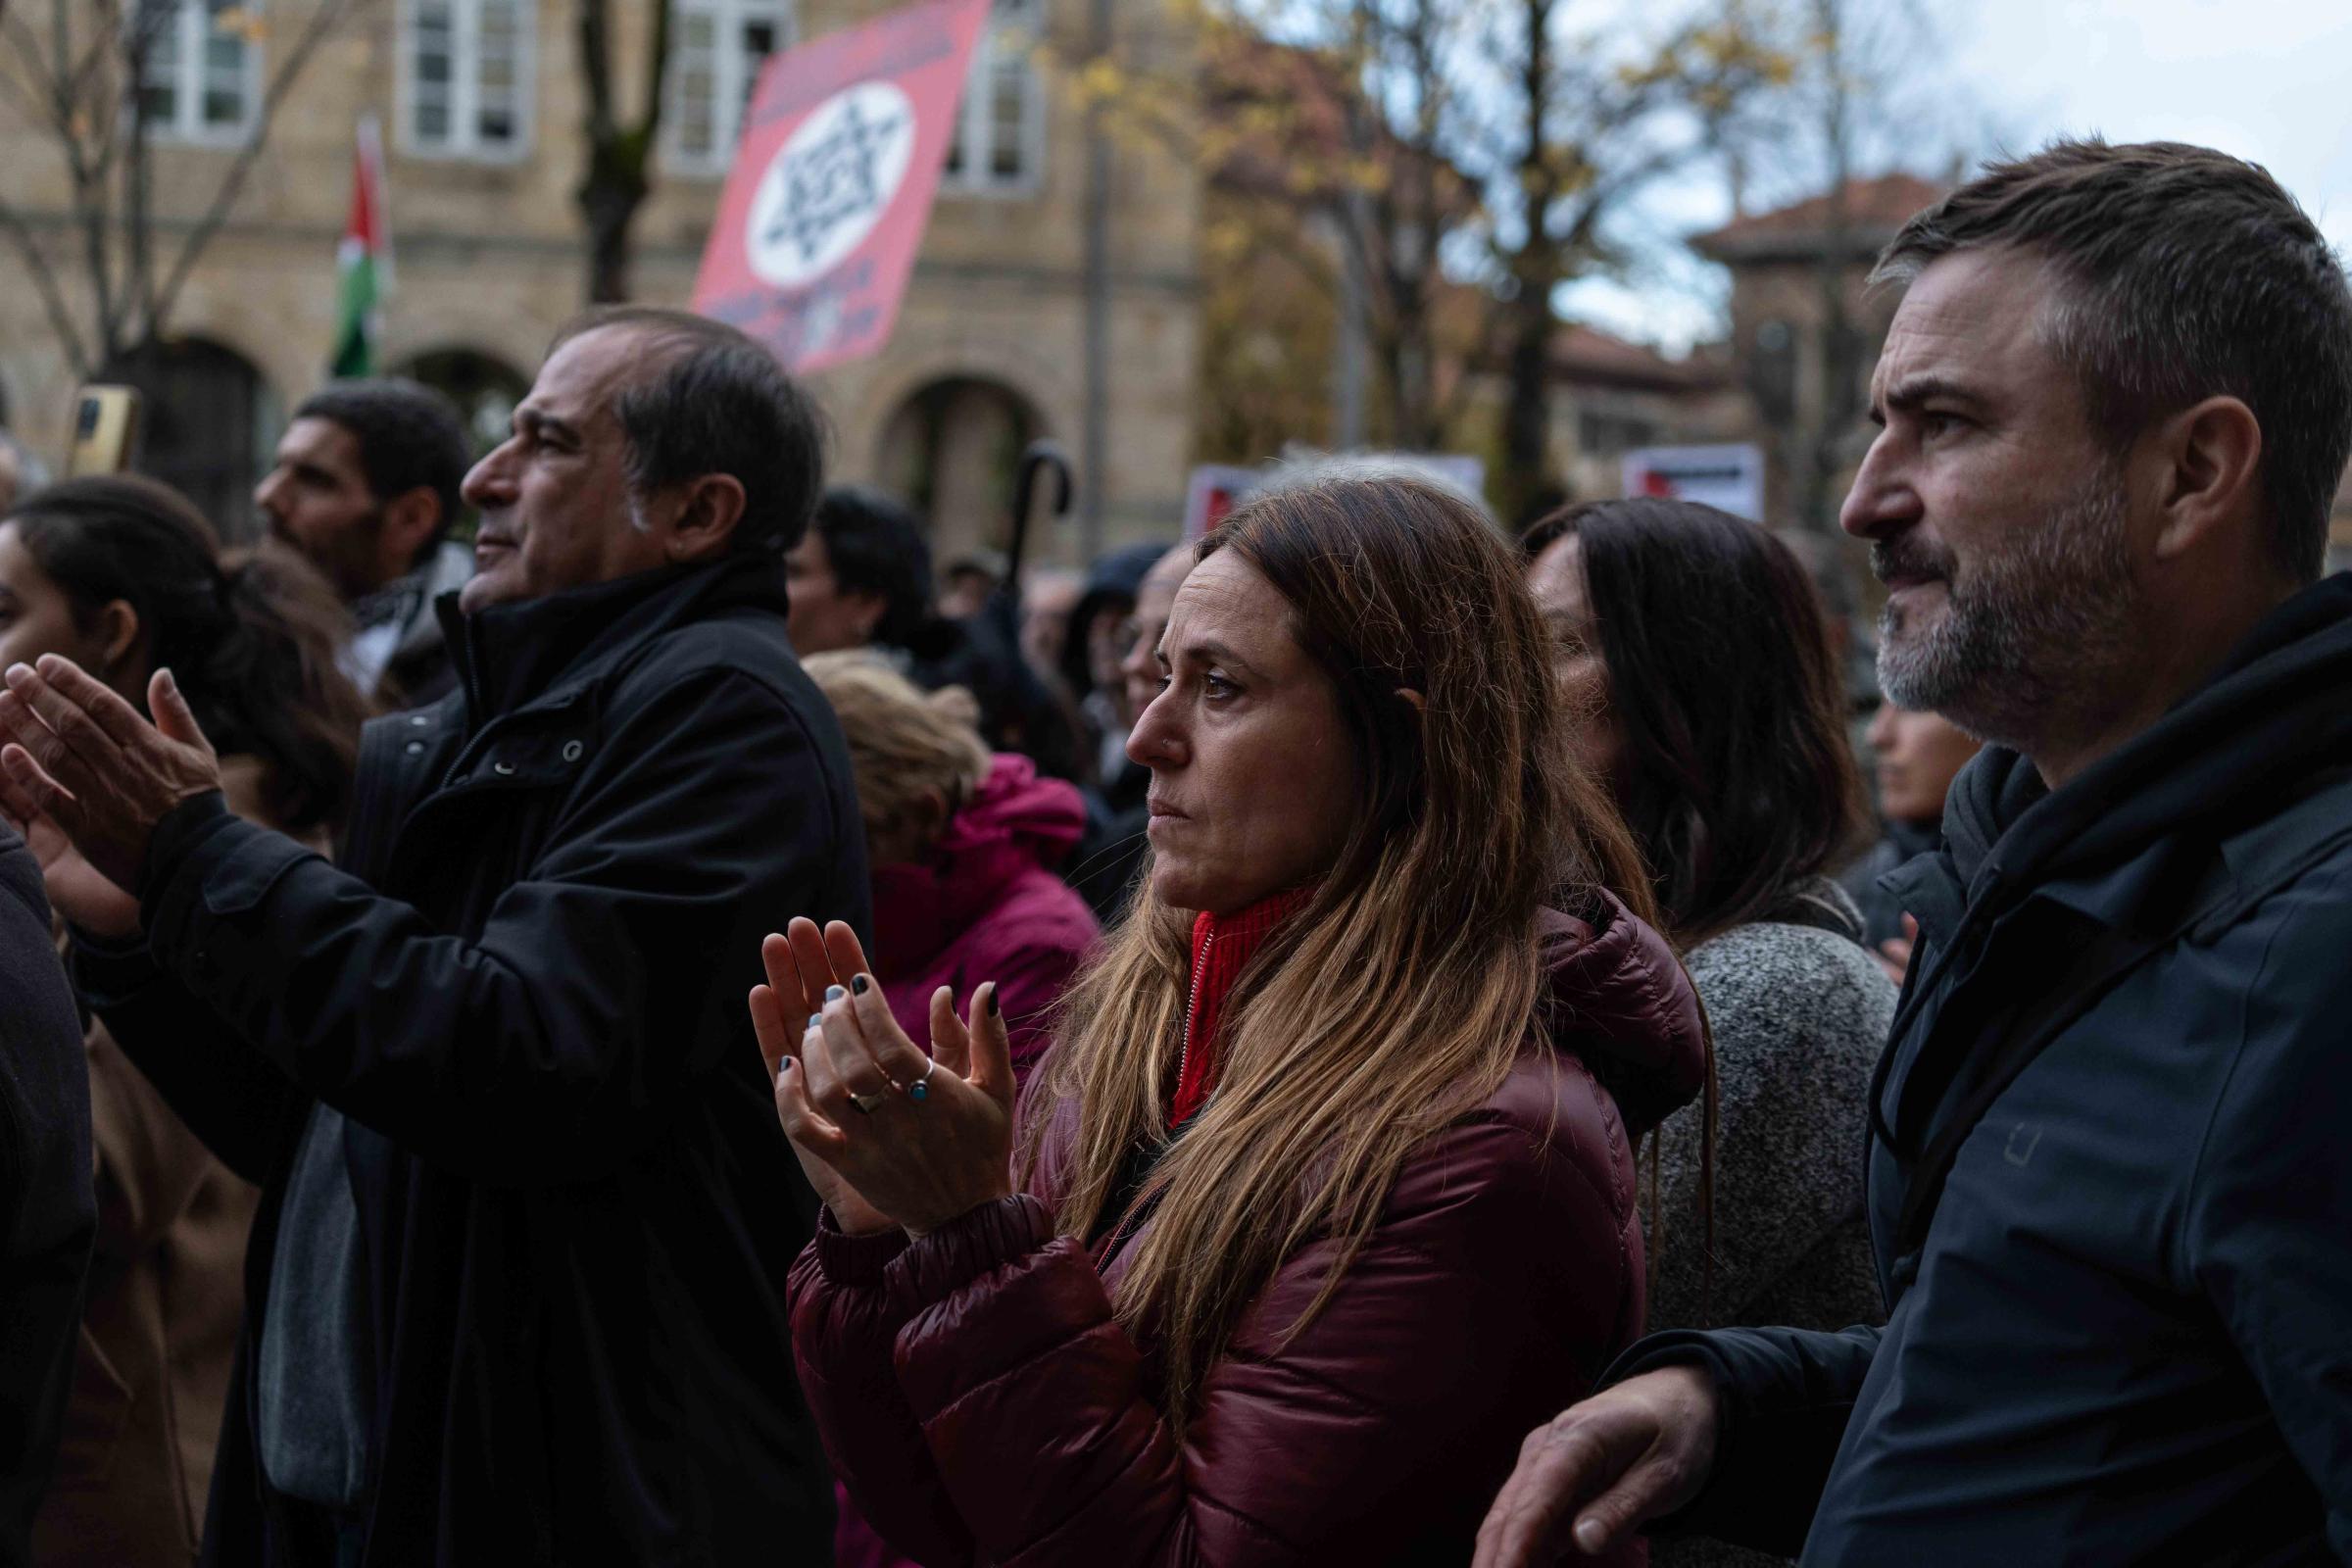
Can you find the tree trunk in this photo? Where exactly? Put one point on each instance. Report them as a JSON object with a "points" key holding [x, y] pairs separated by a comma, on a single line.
{"points": [[1526, 471], [610, 198]]}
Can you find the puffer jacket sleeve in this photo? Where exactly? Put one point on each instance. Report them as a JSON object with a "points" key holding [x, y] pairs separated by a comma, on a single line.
{"points": [[845, 1326], [1503, 1276]]}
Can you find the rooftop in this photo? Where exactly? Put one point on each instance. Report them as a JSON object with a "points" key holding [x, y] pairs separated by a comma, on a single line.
{"points": [[1874, 209]]}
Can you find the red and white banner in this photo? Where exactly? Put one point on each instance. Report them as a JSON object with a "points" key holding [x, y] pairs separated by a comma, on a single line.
{"points": [[832, 183]]}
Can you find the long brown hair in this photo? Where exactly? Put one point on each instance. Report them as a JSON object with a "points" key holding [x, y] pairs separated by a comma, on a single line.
{"points": [[1400, 995]]}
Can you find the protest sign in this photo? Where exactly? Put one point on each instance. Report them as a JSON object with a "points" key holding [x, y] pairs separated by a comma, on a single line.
{"points": [[832, 183], [1728, 477]]}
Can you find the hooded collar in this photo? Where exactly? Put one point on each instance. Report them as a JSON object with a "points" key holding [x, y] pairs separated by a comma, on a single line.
{"points": [[510, 653], [1015, 824], [1617, 999]]}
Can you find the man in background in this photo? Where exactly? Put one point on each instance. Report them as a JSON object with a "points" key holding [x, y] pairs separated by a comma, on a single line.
{"points": [[365, 485], [1917, 756]]}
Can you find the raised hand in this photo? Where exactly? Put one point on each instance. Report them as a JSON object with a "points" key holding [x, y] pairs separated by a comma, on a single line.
{"points": [[1602, 1468], [80, 754], [781, 1013], [76, 889], [920, 1140]]}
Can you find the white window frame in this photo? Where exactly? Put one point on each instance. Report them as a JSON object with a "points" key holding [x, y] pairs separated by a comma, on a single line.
{"points": [[191, 25], [464, 143], [1014, 25], [733, 74]]}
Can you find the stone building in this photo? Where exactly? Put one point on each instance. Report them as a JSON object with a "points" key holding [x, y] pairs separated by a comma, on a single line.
{"points": [[481, 103], [1803, 362]]}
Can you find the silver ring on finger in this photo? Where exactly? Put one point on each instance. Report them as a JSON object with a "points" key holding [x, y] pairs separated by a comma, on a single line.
{"points": [[921, 1090]]}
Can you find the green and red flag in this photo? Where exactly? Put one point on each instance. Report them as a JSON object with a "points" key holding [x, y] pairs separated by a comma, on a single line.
{"points": [[364, 259]]}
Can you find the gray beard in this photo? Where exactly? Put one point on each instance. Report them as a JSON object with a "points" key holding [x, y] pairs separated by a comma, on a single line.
{"points": [[2028, 635]]}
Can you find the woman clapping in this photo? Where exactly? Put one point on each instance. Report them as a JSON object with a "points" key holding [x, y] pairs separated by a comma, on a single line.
{"points": [[1323, 1195]]}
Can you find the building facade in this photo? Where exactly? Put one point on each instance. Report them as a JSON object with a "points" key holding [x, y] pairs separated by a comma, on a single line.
{"points": [[483, 106]]}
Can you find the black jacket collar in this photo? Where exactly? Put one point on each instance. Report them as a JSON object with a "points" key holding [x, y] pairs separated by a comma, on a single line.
{"points": [[510, 653]]}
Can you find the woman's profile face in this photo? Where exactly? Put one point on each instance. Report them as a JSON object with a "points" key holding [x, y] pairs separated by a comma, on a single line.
{"points": [[1254, 785], [1557, 582], [35, 616]]}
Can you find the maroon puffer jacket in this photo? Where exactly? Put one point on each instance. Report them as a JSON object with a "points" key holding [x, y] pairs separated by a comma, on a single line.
{"points": [[981, 1403]]}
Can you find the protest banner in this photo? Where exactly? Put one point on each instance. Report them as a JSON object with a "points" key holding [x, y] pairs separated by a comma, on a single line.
{"points": [[831, 189], [1729, 477]]}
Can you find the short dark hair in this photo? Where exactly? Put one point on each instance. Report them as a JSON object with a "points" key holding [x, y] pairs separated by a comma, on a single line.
{"points": [[2190, 273], [410, 438], [713, 401], [876, 547], [1738, 779]]}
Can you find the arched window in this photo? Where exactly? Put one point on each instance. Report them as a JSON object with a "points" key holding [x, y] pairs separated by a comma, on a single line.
{"points": [[208, 422], [953, 449], [484, 387], [716, 49], [999, 145]]}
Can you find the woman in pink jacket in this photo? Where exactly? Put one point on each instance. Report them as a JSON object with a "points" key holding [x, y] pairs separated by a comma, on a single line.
{"points": [[963, 845]]}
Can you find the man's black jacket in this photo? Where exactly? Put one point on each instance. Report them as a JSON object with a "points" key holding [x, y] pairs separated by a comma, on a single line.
{"points": [[524, 987], [2110, 1179], [48, 1207]]}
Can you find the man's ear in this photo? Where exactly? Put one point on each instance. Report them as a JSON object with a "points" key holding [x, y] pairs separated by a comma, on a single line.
{"points": [[410, 519], [2211, 480], [709, 510]]}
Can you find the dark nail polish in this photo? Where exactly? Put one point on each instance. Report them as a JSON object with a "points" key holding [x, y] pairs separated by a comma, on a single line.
{"points": [[783, 1066], [991, 1002], [860, 985]]}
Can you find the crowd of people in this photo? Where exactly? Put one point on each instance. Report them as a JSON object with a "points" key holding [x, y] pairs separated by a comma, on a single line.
{"points": [[663, 1033]]}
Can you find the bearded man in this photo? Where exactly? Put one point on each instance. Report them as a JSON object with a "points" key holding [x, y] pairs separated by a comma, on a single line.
{"points": [[365, 484], [2107, 1175]]}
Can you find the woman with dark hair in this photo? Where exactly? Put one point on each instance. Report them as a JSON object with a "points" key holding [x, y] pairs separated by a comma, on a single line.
{"points": [[1323, 1194], [1692, 648], [126, 577]]}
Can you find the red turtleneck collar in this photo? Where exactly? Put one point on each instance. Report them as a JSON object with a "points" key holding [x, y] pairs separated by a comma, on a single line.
{"points": [[1222, 947]]}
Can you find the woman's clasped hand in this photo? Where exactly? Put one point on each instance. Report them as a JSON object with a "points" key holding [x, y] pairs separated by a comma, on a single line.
{"points": [[890, 1138]]}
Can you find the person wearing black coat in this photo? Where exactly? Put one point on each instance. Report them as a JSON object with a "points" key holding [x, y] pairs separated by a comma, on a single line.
{"points": [[516, 1283], [2106, 1176], [48, 1208]]}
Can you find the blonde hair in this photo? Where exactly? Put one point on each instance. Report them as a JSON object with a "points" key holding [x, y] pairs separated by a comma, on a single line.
{"points": [[905, 744], [1404, 991]]}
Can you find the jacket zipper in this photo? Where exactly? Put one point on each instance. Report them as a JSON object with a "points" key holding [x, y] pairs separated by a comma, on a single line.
{"points": [[1183, 1049]]}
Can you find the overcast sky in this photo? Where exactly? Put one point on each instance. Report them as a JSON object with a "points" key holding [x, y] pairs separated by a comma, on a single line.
{"points": [[2267, 79]]}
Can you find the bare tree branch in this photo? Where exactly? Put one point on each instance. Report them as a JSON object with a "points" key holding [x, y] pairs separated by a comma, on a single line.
{"points": [[232, 184], [44, 279]]}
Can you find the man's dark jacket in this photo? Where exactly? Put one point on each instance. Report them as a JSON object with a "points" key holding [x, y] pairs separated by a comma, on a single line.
{"points": [[2121, 1325], [524, 988], [48, 1201]]}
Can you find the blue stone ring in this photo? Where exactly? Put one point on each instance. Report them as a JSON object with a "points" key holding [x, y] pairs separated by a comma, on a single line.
{"points": [[921, 1090]]}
